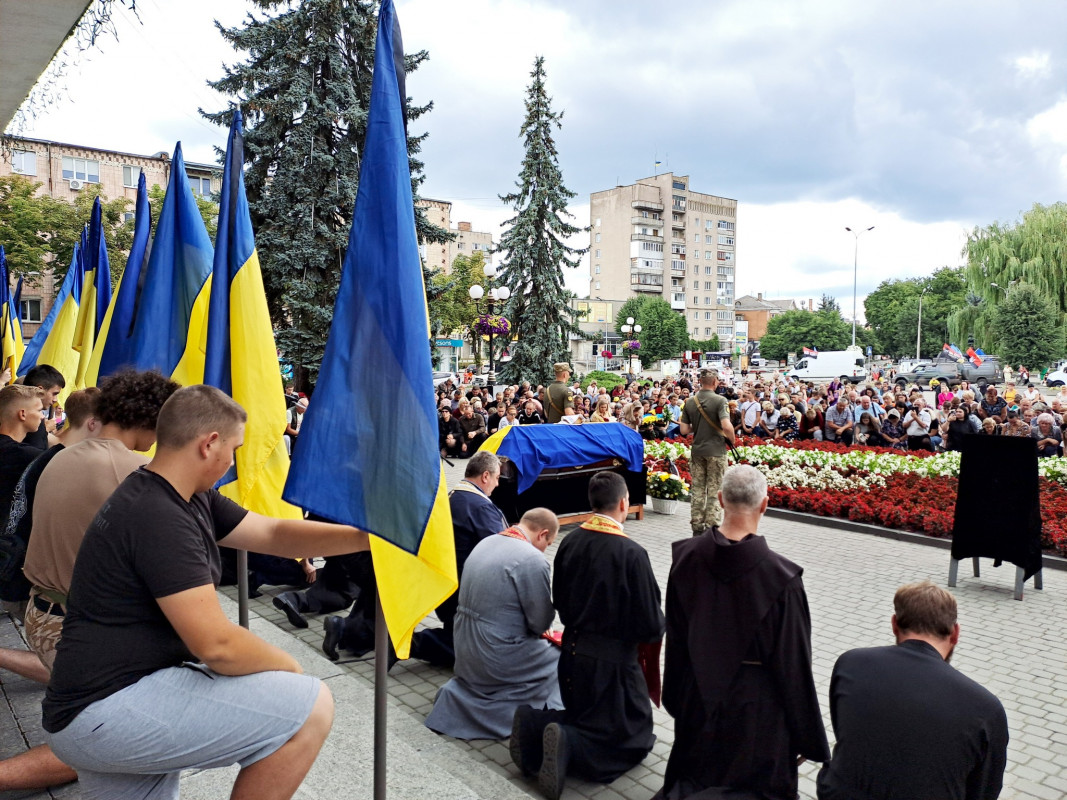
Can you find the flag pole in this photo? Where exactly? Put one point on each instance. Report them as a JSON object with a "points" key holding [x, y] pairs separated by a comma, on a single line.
{"points": [[242, 588], [381, 681]]}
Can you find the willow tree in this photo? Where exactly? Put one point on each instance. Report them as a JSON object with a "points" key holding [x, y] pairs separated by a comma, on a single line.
{"points": [[1001, 255], [534, 249]]}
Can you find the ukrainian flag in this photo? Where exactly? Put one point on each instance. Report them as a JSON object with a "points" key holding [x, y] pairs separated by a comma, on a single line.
{"points": [[31, 357], [10, 325], [58, 348], [113, 347], [171, 325], [241, 357], [368, 446], [96, 296]]}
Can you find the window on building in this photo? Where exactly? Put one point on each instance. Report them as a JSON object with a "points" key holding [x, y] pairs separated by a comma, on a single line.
{"points": [[30, 309], [696, 238], [727, 315], [707, 315], [597, 268], [679, 201], [598, 253], [726, 240], [707, 270], [128, 216], [82, 169], [598, 284], [679, 185], [200, 185], [130, 175], [707, 301], [598, 235], [709, 224], [460, 245], [708, 239], [707, 332], [696, 315], [696, 254], [724, 225], [24, 162], [726, 330], [598, 224], [696, 269]]}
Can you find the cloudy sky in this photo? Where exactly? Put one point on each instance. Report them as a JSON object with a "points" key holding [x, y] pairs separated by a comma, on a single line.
{"points": [[921, 119]]}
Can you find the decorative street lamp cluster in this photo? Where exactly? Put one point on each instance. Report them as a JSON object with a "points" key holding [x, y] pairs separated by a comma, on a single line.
{"points": [[632, 344], [490, 324]]}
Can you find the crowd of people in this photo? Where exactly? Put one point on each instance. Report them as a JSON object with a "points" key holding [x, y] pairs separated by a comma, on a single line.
{"points": [[113, 559], [877, 413]]}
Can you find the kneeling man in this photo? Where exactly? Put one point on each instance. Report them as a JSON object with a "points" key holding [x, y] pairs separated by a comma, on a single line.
{"points": [[150, 676], [505, 604]]}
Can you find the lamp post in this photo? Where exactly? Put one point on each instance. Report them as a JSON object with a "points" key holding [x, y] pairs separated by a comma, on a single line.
{"points": [[629, 328], [499, 293], [919, 332], [855, 262]]}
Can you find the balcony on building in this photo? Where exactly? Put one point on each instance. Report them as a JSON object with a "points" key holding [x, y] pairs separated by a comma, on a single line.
{"points": [[678, 301], [650, 204], [645, 237], [678, 264], [649, 221]]}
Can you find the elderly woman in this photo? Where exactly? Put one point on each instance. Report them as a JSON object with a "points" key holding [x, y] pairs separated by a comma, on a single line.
{"points": [[788, 427], [812, 423], [893, 431], [631, 415], [768, 421], [990, 428], [1047, 435], [602, 413]]}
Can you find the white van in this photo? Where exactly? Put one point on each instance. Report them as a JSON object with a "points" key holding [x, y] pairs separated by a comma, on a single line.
{"points": [[848, 365]]}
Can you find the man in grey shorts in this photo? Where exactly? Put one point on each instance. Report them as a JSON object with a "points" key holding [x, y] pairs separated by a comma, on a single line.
{"points": [[150, 676]]}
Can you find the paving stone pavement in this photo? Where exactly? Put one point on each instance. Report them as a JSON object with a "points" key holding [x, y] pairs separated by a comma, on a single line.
{"points": [[1015, 649]]}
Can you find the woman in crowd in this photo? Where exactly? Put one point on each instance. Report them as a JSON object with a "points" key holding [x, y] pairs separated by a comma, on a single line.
{"points": [[811, 425], [510, 418], [893, 431], [958, 427], [1047, 435], [788, 426], [990, 428], [602, 412], [735, 414], [868, 431], [946, 395], [1015, 426], [631, 416]]}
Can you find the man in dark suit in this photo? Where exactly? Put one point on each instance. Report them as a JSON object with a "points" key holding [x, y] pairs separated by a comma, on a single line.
{"points": [[907, 724]]}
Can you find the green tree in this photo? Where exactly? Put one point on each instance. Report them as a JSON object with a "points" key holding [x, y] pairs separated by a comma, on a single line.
{"points": [[39, 232], [1025, 327], [209, 209], [1032, 250], [711, 345], [534, 246], [828, 303], [892, 312], [457, 311], [305, 92], [663, 331], [794, 330], [631, 308]]}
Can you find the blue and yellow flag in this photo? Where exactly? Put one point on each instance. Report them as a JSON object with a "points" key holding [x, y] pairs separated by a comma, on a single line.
{"points": [[33, 349], [96, 296], [11, 345], [368, 455], [171, 323], [113, 347], [57, 350], [241, 357]]}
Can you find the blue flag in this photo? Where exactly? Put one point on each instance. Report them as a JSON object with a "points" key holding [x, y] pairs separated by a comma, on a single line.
{"points": [[369, 457], [114, 345], [33, 348], [172, 309]]}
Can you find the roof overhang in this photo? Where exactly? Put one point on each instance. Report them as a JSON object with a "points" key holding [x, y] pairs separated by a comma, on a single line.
{"points": [[31, 34]]}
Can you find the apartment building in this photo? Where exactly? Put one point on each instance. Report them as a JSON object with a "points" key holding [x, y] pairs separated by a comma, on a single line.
{"points": [[659, 237], [440, 255], [63, 170]]}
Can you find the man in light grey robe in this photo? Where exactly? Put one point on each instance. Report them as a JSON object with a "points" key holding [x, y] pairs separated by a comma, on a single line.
{"points": [[505, 604]]}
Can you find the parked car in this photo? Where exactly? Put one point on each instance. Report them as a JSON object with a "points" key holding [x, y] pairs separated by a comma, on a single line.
{"points": [[441, 377], [1056, 378], [922, 375]]}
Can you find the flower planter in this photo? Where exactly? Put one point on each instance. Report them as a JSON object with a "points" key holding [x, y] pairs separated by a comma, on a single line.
{"points": [[662, 506]]}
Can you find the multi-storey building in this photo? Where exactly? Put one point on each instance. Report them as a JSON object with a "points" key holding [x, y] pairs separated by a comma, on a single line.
{"points": [[659, 237], [466, 241], [64, 170]]}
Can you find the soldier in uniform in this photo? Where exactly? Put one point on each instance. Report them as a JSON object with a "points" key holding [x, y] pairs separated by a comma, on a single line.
{"points": [[706, 415], [558, 394]]}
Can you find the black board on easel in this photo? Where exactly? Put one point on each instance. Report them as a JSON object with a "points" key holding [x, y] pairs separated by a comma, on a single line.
{"points": [[998, 507]]}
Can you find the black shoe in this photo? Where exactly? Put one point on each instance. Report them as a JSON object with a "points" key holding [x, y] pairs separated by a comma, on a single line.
{"points": [[553, 772], [525, 743], [284, 602], [334, 627]]}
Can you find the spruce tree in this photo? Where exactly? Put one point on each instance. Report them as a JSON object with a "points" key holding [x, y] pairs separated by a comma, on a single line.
{"points": [[534, 248], [304, 88]]}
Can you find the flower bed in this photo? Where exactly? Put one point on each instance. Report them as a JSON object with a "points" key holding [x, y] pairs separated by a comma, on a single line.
{"points": [[876, 485]]}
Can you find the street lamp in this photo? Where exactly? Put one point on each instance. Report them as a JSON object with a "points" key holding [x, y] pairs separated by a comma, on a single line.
{"points": [[499, 293], [855, 262], [919, 332], [628, 328]]}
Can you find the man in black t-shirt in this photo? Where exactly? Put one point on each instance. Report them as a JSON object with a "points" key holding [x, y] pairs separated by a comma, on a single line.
{"points": [[21, 409], [51, 382], [148, 656]]}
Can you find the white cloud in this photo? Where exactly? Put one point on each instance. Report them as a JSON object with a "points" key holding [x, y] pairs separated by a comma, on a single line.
{"points": [[1033, 66]]}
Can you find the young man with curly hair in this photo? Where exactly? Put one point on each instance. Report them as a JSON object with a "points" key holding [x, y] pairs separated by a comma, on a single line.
{"points": [[72, 488]]}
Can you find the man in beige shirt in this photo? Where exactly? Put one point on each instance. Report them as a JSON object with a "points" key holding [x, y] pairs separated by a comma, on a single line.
{"points": [[71, 490]]}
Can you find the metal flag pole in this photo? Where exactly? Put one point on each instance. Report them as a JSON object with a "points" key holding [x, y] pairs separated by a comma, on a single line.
{"points": [[242, 588], [381, 678]]}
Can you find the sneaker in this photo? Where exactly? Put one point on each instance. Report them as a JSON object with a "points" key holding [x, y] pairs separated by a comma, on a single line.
{"points": [[525, 742], [553, 772]]}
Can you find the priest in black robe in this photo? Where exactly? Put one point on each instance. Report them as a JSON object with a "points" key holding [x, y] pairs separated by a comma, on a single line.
{"points": [[738, 677], [609, 603]]}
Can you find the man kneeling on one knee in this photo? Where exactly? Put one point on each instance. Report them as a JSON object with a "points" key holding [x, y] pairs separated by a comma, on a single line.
{"points": [[150, 676]]}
